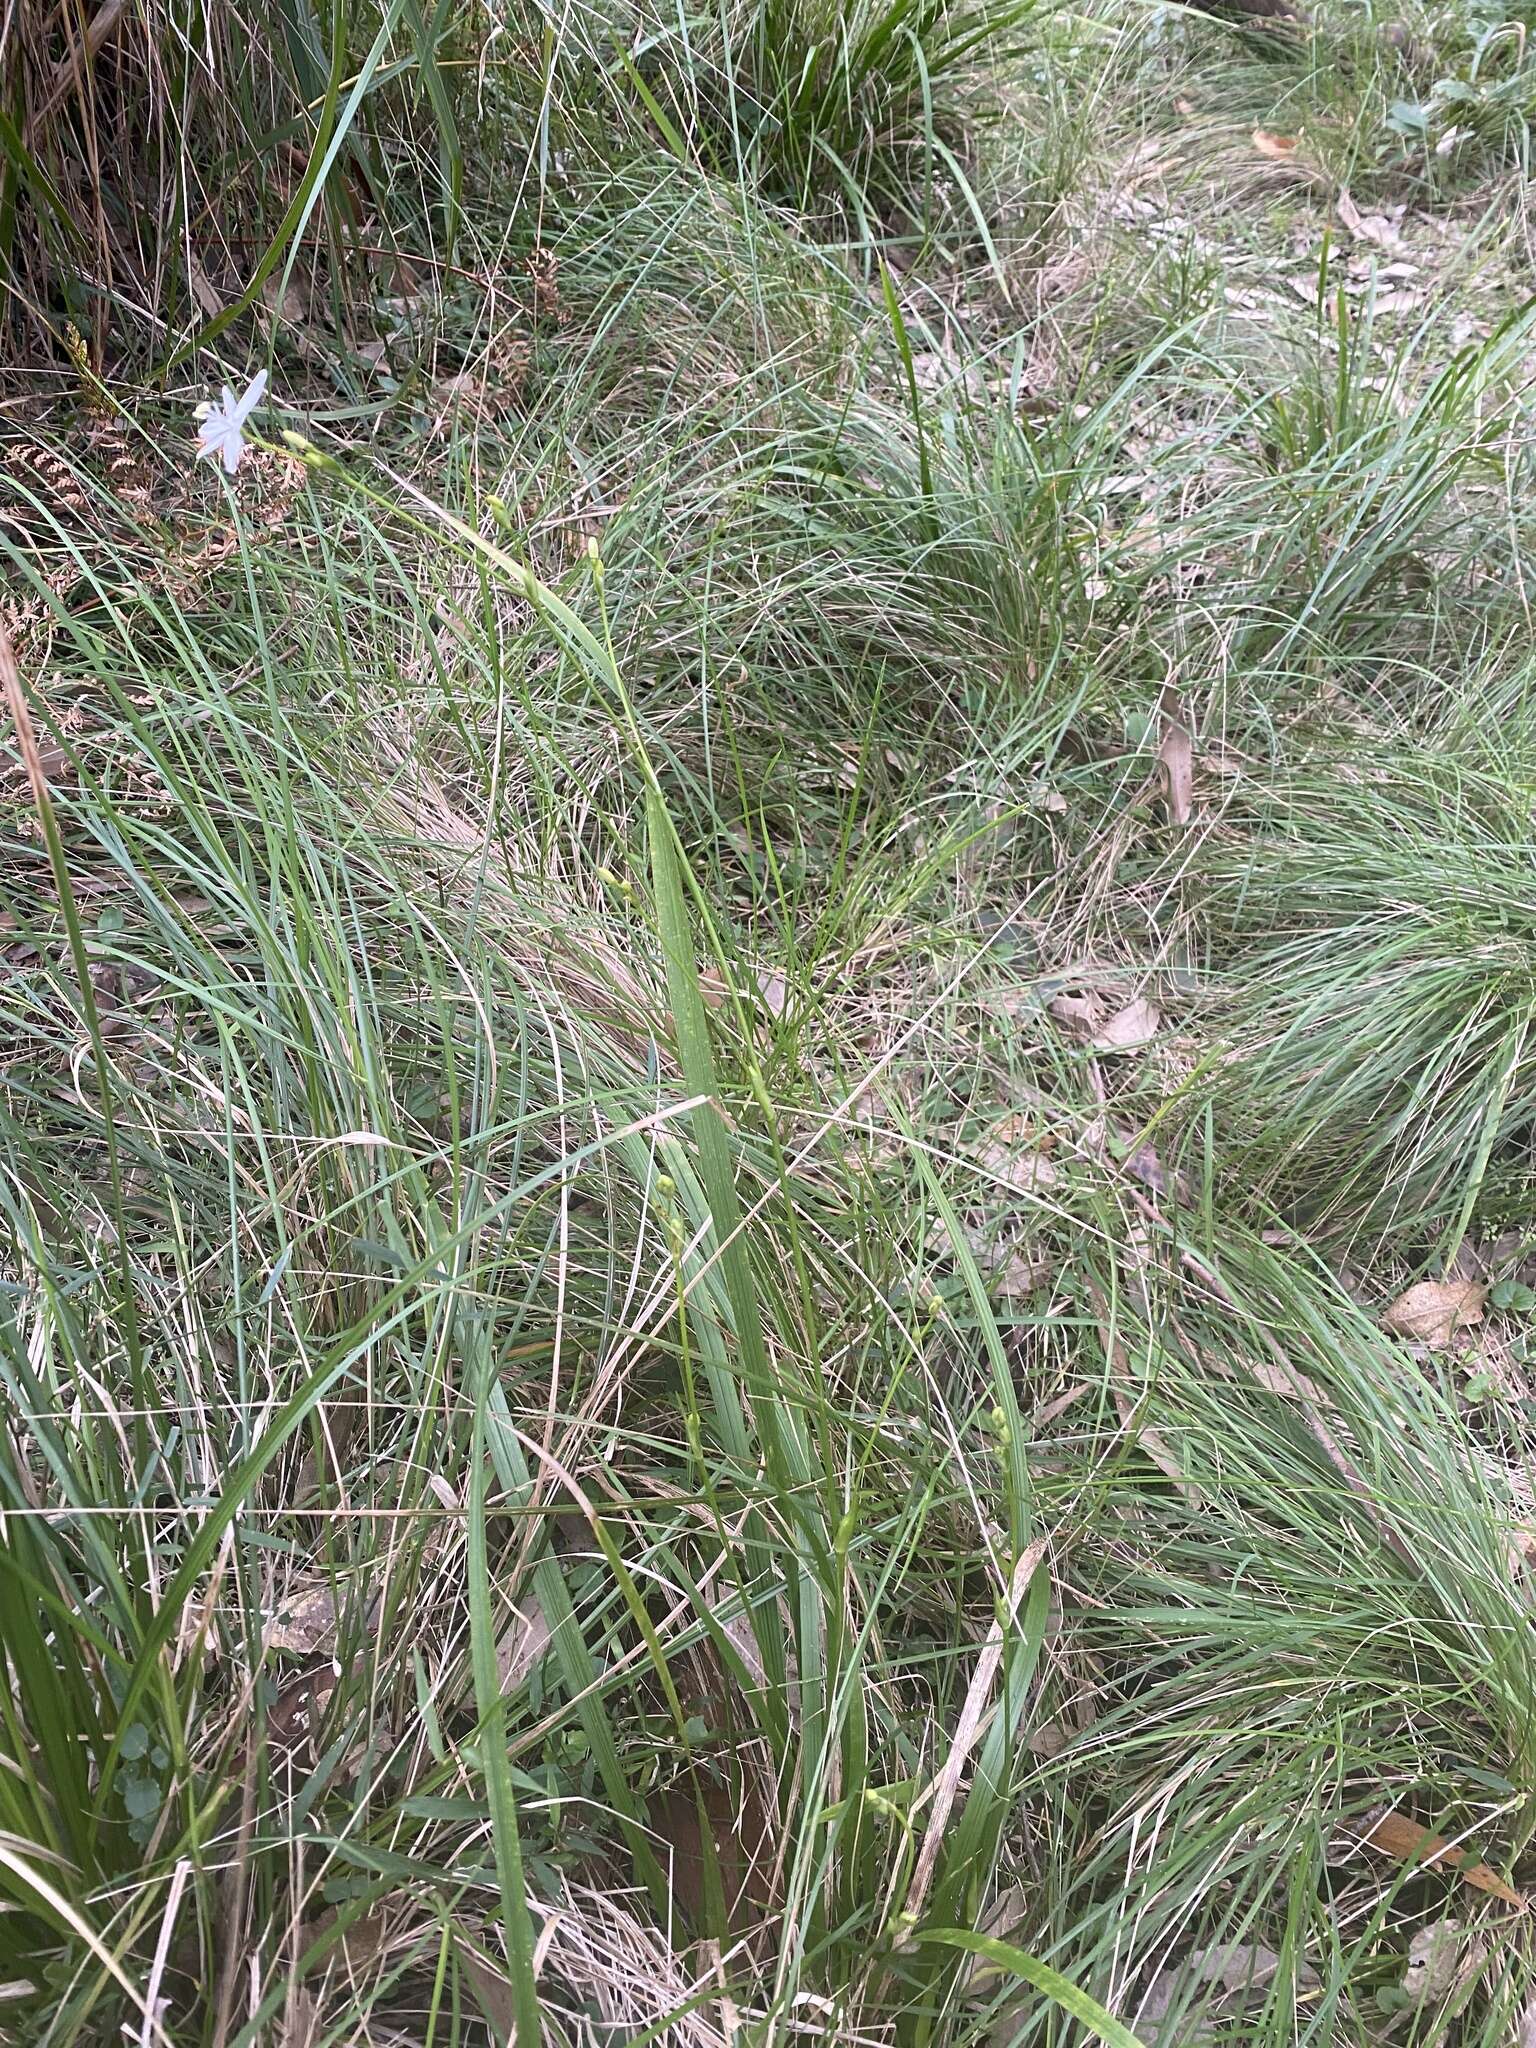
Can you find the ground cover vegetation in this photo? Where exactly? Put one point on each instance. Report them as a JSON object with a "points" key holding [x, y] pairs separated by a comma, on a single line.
{"points": [[768, 1025]]}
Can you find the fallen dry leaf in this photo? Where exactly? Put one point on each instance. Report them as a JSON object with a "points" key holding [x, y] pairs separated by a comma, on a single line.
{"points": [[1432, 1311], [1274, 145], [1367, 227], [1013, 1152], [523, 1642], [1129, 1029], [305, 1623], [1176, 754], [1082, 1014], [773, 989], [1394, 1834], [1245, 1966]]}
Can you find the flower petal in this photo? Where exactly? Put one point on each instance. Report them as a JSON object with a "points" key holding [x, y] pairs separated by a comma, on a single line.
{"points": [[250, 398]]}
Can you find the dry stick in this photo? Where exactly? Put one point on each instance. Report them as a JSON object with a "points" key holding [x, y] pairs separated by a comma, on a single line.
{"points": [[104, 23], [21, 719], [154, 2005], [232, 1903], [972, 1714]]}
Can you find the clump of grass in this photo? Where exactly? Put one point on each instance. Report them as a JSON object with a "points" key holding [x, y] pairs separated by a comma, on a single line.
{"points": [[174, 160], [1379, 1069], [865, 116], [1316, 1566]]}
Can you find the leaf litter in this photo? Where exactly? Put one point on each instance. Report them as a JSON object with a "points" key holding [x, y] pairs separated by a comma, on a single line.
{"points": [[1398, 1836], [1435, 1312], [306, 1622], [522, 1643], [1128, 1029], [1176, 757]]}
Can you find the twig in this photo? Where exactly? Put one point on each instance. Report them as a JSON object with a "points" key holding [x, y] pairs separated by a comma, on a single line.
{"points": [[152, 2001], [103, 24], [972, 1714]]}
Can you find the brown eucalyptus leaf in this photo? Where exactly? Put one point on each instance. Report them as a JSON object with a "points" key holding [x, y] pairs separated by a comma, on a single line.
{"points": [[1014, 1154], [305, 1623], [1130, 1029], [1432, 1312], [523, 1642], [1394, 1834]]}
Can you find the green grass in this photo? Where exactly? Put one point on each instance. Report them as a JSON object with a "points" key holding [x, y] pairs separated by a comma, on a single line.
{"points": [[1386, 1069], [624, 1420]]}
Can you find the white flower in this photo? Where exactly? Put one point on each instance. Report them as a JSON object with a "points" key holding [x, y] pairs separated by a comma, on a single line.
{"points": [[220, 430]]}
